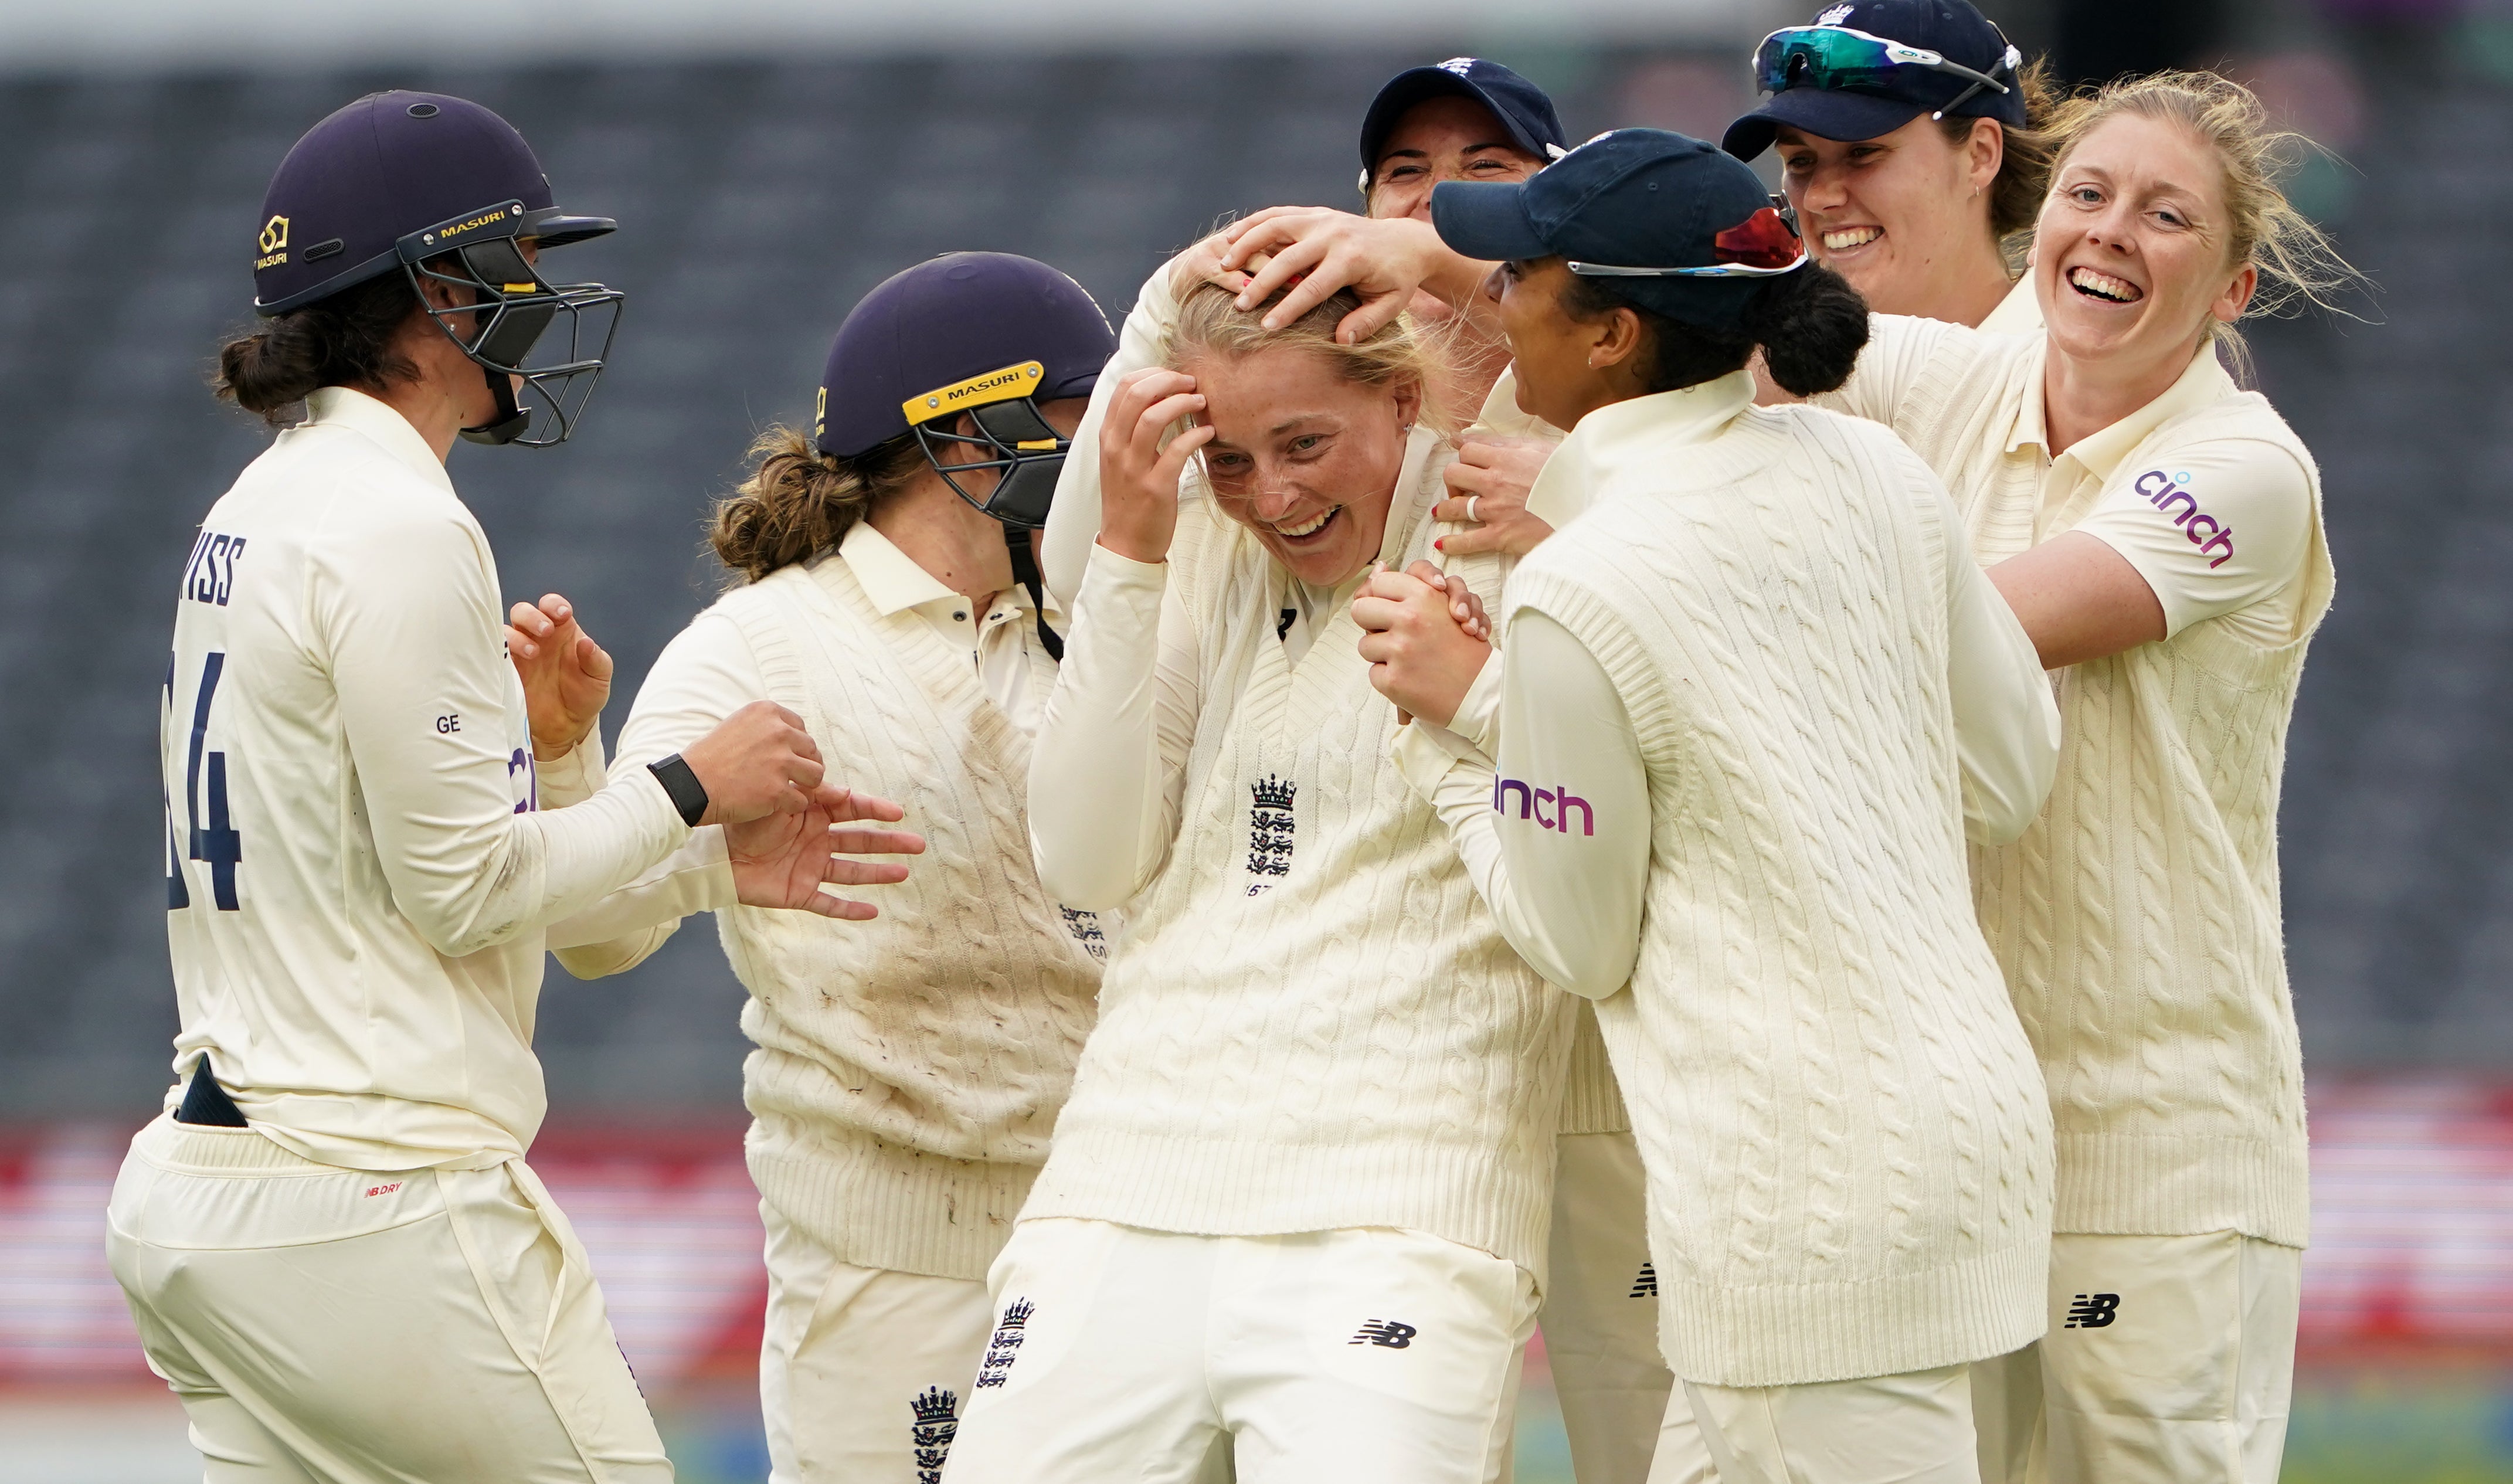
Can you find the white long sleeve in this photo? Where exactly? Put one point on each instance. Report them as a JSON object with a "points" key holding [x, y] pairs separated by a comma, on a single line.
{"points": [[406, 613], [1109, 764], [1557, 839], [1073, 520], [2007, 719]]}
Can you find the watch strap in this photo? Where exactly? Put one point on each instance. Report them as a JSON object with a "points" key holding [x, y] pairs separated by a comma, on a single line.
{"points": [[689, 796]]}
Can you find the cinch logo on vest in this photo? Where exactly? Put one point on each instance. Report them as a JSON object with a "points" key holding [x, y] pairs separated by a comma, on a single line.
{"points": [[2166, 491], [1531, 803]]}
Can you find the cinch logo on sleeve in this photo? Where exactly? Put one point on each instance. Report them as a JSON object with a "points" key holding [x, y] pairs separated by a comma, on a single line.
{"points": [[2171, 494], [1534, 803]]}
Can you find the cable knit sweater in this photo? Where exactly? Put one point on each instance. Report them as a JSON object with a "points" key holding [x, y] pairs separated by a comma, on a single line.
{"points": [[1310, 1021], [909, 1068], [1847, 1141], [2138, 920]]}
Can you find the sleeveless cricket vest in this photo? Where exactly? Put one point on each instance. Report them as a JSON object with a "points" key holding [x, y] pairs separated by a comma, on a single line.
{"points": [[910, 1068], [2138, 921], [1310, 1022], [1848, 1149]]}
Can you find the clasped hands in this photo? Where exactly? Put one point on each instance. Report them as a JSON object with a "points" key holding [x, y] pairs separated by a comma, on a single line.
{"points": [[1426, 637], [784, 821]]}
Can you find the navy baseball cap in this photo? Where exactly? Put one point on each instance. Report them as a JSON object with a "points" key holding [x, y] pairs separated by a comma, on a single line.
{"points": [[1881, 103], [389, 167], [1663, 220], [962, 331], [1523, 108]]}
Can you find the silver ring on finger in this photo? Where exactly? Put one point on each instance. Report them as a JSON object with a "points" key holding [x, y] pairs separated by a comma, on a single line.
{"points": [[1472, 518]]}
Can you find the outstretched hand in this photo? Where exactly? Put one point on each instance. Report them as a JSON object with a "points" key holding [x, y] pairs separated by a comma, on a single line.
{"points": [[780, 859], [566, 675], [1426, 638]]}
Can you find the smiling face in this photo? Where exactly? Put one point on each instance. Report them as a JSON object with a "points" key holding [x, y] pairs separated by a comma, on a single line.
{"points": [[1905, 216], [1304, 458], [1442, 139], [1568, 367], [2130, 255]]}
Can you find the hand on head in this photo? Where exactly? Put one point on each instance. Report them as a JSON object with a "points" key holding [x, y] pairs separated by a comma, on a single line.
{"points": [[1314, 251], [1426, 638], [1488, 487], [1138, 475], [566, 675], [780, 859]]}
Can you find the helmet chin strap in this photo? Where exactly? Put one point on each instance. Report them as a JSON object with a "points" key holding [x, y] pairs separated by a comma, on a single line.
{"points": [[1025, 572], [510, 421]]}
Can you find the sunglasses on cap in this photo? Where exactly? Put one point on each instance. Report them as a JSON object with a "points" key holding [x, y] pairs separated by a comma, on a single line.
{"points": [[1837, 57], [1765, 245]]}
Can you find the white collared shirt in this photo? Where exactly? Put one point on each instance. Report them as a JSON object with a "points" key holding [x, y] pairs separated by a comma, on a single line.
{"points": [[999, 642], [2218, 523], [359, 877]]}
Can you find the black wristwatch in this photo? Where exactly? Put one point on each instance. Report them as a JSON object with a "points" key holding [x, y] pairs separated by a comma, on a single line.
{"points": [[689, 796]]}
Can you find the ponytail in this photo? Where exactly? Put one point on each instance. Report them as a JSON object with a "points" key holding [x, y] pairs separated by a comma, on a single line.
{"points": [[1810, 323], [343, 340], [799, 502]]}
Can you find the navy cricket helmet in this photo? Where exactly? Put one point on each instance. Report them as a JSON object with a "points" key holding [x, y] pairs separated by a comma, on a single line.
{"points": [[442, 190], [989, 334]]}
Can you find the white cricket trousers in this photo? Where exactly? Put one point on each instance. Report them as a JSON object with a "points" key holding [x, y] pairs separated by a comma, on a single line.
{"points": [[864, 1372], [1627, 1421], [332, 1326], [1327, 1357], [1912, 1428], [2168, 1360]]}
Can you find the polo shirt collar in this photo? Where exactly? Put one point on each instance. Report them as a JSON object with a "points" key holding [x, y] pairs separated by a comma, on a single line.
{"points": [[378, 423], [2202, 383], [893, 583], [1688, 414]]}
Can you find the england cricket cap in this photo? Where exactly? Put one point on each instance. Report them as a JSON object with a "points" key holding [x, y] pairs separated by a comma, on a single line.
{"points": [[386, 167], [1640, 201], [955, 332], [1525, 113], [1951, 28]]}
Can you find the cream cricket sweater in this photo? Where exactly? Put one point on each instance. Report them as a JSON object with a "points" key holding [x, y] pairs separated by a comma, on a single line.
{"points": [[2138, 920], [1848, 1146], [1310, 1021], [909, 1068]]}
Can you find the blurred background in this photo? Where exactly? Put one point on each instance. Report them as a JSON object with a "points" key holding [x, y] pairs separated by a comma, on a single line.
{"points": [[770, 160]]}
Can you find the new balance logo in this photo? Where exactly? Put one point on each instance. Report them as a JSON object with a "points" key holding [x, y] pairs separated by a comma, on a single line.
{"points": [[1388, 1334], [1646, 1285], [2092, 1311]]}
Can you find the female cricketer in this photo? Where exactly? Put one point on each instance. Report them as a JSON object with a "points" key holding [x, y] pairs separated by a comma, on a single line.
{"points": [[2157, 529], [1298, 1202], [908, 1067], [1913, 145], [1469, 119], [1755, 698], [331, 1244]]}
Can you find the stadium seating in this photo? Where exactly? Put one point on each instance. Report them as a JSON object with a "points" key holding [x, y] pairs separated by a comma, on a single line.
{"points": [[757, 201]]}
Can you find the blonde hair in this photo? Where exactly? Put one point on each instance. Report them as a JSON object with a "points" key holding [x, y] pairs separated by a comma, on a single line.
{"points": [[799, 502], [2296, 261], [1210, 322]]}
